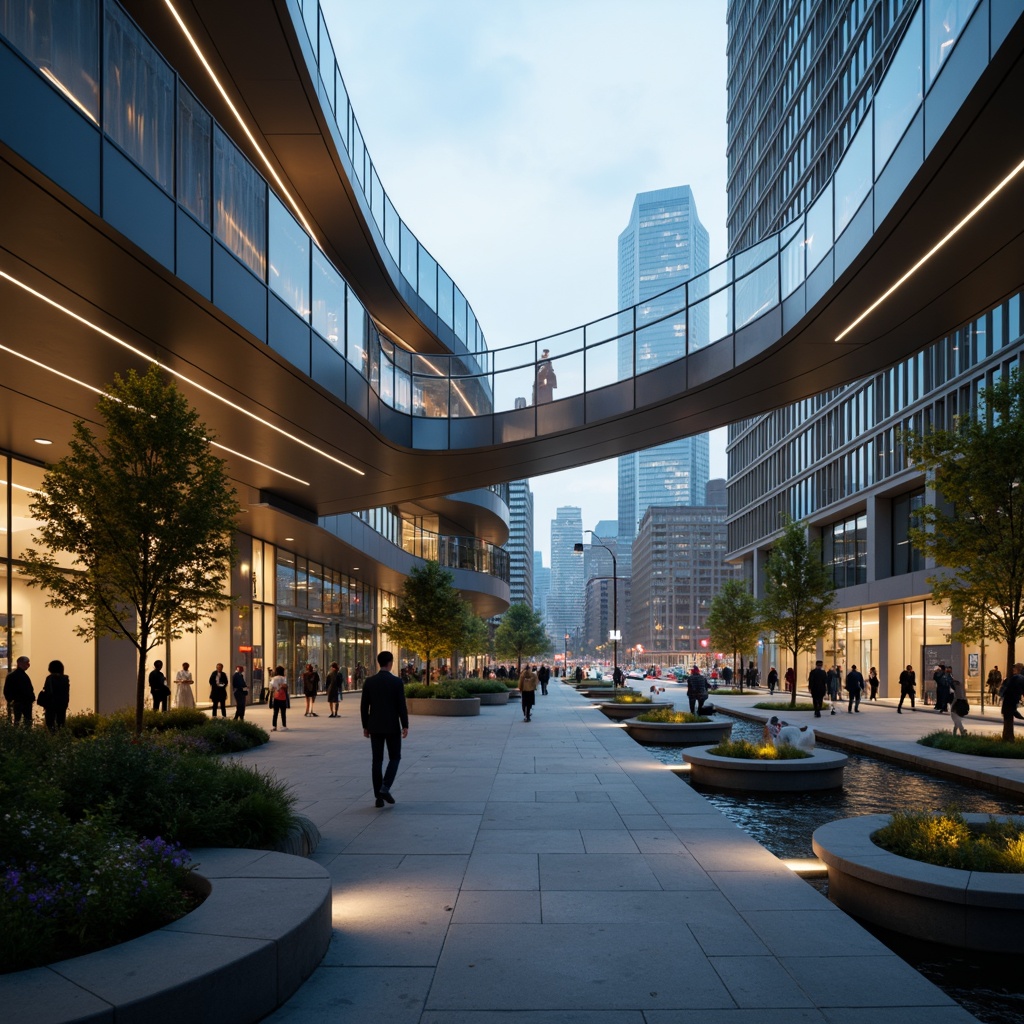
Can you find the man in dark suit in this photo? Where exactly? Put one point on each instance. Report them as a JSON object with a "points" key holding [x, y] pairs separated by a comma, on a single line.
{"points": [[219, 690], [817, 683], [386, 722], [241, 690]]}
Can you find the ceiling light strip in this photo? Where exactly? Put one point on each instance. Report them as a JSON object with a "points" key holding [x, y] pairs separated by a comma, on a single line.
{"points": [[104, 394], [934, 249], [174, 373], [241, 123]]}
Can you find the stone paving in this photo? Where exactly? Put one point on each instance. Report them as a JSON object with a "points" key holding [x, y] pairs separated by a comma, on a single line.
{"points": [[554, 872]]}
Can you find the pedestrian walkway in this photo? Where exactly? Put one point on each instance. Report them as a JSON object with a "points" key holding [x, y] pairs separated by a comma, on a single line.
{"points": [[553, 872]]}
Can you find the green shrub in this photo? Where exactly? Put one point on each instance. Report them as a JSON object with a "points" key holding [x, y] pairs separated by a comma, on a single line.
{"points": [[975, 743], [448, 690], [229, 735], [473, 686], [631, 698], [949, 841], [782, 705], [747, 751], [671, 717]]}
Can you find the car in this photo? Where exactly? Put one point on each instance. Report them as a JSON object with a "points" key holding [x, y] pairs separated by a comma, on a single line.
{"points": [[636, 673]]}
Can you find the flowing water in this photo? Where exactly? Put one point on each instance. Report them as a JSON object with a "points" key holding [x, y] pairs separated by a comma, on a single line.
{"points": [[989, 986]]}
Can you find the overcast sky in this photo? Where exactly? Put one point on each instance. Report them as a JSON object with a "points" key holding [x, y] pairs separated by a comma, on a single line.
{"points": [[512, 136]]}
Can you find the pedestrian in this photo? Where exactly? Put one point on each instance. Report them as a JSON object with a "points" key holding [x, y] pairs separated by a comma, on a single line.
{"points": [[791, 679], [310, 685], [696, 690], [334, 686], [55, 696], [219, 690], [873, 683], [773, 680], [579, 675], [908, 687], [994, 682], [854, 686], [184, 697], [385, 723], [528, 687], [959, 709], [817, 683], [727, 676], [1013, 690], [240, 689], [358, 676], [19, 693], [943, 689], [616, 677], [834, 677], [158, 688], [279, 699], [543, 677], [753, 677]]}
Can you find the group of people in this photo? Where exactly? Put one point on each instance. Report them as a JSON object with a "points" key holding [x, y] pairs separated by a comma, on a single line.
{"points": [[184, 692], [53, 698], [824, 683]]}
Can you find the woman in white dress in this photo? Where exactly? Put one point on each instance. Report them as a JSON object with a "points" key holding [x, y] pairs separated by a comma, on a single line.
{"points": [[184, 696]]}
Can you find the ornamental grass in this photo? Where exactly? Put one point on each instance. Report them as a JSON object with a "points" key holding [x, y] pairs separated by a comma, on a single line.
{"points": [[947, 840], [783, 705], [975, 743], [747, 751], [669, 717], [450, 689]]}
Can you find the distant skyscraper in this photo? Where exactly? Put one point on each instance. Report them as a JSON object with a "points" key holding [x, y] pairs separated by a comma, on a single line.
{"points": [[663, 245], [565, 601], [541, 584], [520, 542]]}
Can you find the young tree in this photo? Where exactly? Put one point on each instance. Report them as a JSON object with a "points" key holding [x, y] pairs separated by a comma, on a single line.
{"points": [[476, 637], [733, 621], [799, 592], [520, 634], [430, 616], [147, 511], [978, 541]]}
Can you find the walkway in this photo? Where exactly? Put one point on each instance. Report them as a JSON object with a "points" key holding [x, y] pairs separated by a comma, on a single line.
{"points": [[555, 873]]}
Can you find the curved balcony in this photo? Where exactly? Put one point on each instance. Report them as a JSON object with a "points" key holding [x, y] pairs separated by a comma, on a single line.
{"points": [[914, 232]]}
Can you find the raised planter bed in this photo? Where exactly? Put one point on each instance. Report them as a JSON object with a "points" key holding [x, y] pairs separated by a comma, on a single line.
{"points": [[977, 910], [487, 699], [619, 712], [597, 692], [515, 693], [822, 770], [679, 734], [458, 707]]}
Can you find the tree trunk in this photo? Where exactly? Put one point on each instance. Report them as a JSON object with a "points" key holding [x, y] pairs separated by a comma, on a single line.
{"points": [[792, 696], [140, 688]]}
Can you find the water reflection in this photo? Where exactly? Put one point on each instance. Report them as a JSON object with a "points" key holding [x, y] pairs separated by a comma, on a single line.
{"points": [[784, 825]]}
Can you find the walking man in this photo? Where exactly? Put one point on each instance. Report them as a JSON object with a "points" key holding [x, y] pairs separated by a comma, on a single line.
{"points": [[543, 677], [908, 686], [386, 723], [219, 691], [240, 690], [854, 687], [1013, 690], [817, 683]]}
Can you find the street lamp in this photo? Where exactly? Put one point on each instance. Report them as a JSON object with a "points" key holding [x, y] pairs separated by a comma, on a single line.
{"points": [[615, 598], [565, 657]]}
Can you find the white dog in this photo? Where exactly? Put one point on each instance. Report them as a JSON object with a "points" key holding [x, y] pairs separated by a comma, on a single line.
{"points": [[779, 732]]}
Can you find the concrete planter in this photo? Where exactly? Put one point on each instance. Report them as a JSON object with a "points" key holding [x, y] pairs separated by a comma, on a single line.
{"points": [[822, 770], [460, 707], [620, 712], [488, 699], [681, 734], [597, 692], [977, 910], [515, 693]]}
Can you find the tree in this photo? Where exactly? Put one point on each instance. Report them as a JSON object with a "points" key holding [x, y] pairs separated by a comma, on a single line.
{"points": [[520, 634], [476, 636], [733, 621], [147, 511], [430, 616], [977, 540], [799, 592]]}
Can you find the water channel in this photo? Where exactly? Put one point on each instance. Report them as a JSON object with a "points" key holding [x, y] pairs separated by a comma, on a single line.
{"points": [[989, 986]]}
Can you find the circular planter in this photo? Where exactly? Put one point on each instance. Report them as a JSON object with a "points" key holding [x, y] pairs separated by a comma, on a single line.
{"points": [[977, 910], [488, 699], [597, 692], [679, 734], [620, 712], [460, 707], [515, 693], [822, 770]]}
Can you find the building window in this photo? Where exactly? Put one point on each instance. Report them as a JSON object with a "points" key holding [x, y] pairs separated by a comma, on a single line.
{"points": [[844, 547], [195, 138], [241, 205], [905, 557]]}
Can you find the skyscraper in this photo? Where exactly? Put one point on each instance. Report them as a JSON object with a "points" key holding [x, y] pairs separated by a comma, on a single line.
{"points": [[520, 542], [663, 245], [565, 601]]}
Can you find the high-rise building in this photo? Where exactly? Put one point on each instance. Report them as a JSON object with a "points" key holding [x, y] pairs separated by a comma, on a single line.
{"points": [[663, 246], [541, 584], [565, 600], [520, 543], [835, 110]]}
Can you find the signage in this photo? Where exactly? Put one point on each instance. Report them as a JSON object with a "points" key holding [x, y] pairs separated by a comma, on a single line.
{"points": [[614, 634]]}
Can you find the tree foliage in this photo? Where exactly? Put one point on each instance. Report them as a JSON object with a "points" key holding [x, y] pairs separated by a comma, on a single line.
{"points": [[977, 539], [734, 621], [430, 617], [147, 512], [520, 634], [799, 591]]}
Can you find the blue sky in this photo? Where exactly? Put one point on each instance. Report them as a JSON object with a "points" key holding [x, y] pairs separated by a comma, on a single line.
{"points": [[512, 136]]}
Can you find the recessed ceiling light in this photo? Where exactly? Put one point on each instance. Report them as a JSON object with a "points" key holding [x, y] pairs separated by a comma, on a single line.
{"points": [[289, 538], [42, 440], [355, 568]]}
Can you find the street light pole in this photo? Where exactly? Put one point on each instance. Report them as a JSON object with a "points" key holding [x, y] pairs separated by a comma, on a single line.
{"points": [[565, 657], [615, 598]]}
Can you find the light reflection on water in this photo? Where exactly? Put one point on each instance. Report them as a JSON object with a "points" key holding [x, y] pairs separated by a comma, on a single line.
{"points": [[783, 822]]}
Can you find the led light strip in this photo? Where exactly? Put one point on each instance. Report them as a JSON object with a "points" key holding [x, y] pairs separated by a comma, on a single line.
{"points": [[102, 393], [934, 249], [174, 373]]}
